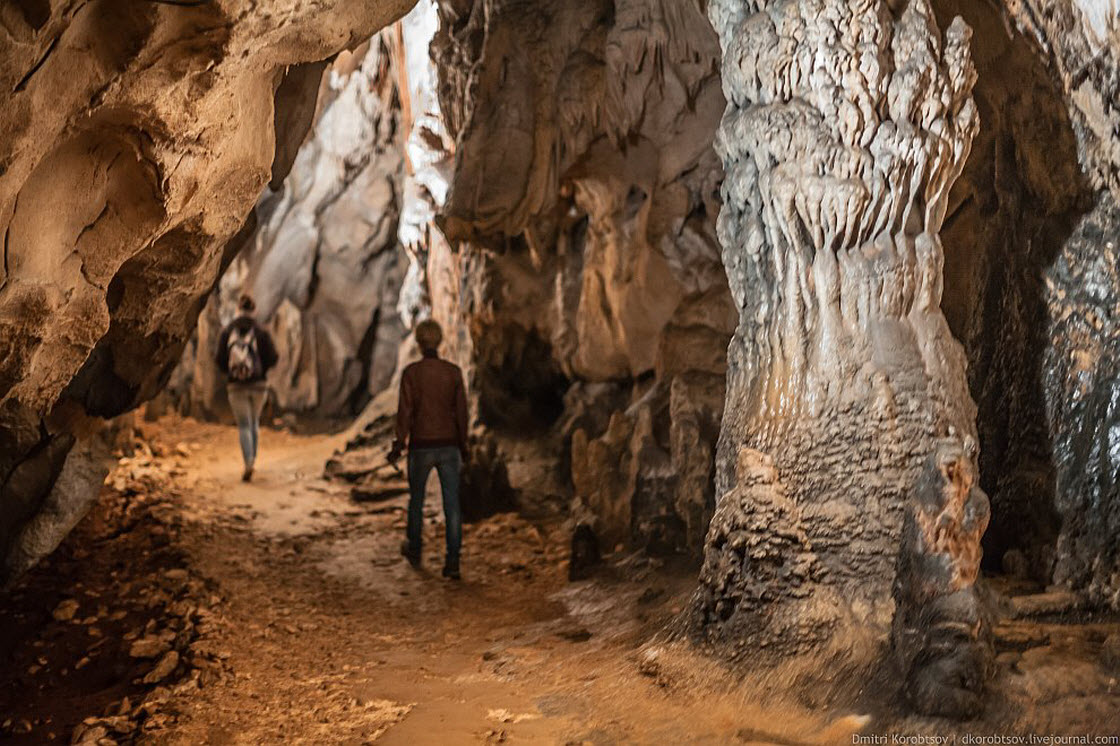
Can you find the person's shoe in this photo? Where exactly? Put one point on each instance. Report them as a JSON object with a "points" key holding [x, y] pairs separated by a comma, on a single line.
{"points": [[406, 552], [451, 570], [247, 475]]}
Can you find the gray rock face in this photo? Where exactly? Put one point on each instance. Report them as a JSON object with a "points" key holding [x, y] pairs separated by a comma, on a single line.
{"points": [[1078, 360], [1015, 204], [1029, 243], [846, 127], [323, 265], [1078, 39], [1082, 392], [133, 142]]}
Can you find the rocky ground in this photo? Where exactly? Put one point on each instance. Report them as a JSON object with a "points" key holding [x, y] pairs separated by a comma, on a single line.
{"points": [[189, 608]]}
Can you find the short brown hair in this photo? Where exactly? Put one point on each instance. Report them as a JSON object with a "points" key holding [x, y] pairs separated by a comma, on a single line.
{"points": [[428, 335]]}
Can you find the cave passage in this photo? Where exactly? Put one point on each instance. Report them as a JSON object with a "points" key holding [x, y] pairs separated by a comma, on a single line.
{"points": [[789, 338]]}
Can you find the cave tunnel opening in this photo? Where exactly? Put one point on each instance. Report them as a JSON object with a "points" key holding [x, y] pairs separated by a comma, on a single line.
{"points": [[320, 254], [1011, 211]]}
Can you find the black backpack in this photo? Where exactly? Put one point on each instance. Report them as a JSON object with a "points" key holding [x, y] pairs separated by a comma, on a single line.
{"points": [[244, 359]]}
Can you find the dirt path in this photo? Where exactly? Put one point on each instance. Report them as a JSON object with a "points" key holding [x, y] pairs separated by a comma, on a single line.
{"points": [[191, 608], [332, 638]]}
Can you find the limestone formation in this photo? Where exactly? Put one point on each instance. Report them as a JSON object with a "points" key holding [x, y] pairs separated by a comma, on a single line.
{"points": [[428, 150], [1030, 240], [907, 231], [847, 125], [1079, 354], [939, 630], [134, 140], [592, 258]]}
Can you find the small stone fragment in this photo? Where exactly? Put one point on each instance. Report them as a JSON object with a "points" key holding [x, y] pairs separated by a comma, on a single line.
{"points": [[1110, 651], [149, 647], [163, 668], [66, 610], [1041, 604]]}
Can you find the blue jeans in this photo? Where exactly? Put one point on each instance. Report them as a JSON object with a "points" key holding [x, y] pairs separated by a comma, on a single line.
{"points": [[246, 400], [446, 462]]}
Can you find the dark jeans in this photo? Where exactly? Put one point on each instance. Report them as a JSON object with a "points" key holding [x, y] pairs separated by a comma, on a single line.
{"points": [[446, 462]]}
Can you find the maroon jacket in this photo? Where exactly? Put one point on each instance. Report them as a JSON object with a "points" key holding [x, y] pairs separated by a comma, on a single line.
{"points": [[432, 411]]}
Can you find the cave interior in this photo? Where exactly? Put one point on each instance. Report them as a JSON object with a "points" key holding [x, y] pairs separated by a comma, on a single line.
{"points": [[789, 331]]}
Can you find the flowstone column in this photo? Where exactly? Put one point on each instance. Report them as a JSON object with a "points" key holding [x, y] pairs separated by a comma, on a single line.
{"points": [[847, 123]]}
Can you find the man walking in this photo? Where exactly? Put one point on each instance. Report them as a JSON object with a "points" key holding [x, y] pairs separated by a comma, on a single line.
{"points": [[432, 423], [246, 354]]}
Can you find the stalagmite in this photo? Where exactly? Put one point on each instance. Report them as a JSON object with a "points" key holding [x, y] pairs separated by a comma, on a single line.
{"points": [[846, 126]]}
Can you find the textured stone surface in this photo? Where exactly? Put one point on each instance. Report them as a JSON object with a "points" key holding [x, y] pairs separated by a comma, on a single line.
{"points": [[846, 126], [1012, 209], [939, 634], [323, 265], [1029, 248], [1082, 386], [593, 258], [556, 195], [133, 142], [1078, 39], [1079, 42]]}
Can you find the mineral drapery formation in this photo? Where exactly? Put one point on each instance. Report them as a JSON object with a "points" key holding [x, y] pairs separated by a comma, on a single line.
{"points": [[547, 168], [323, 264], [134, 140], [846, 126]]}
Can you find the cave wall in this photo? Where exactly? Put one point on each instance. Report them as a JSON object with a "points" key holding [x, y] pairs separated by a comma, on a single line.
{"points": [[1014, 207], [1030, 236], [1078, 42], [556, 197], [580, 275], [134, 141], [323, 264], [902, 229]]}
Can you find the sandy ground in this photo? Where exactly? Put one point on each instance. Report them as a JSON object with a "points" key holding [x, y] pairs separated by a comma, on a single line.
{"points": [[325, 635], [296, 621], [341, 641]]}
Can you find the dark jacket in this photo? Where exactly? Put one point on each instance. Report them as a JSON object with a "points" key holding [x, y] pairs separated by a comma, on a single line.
{"points": [[265, 348], [432, 411]]}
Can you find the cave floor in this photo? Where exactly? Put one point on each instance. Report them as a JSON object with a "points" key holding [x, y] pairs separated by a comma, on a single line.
{"points": [[191, 608], [294, 620]]}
